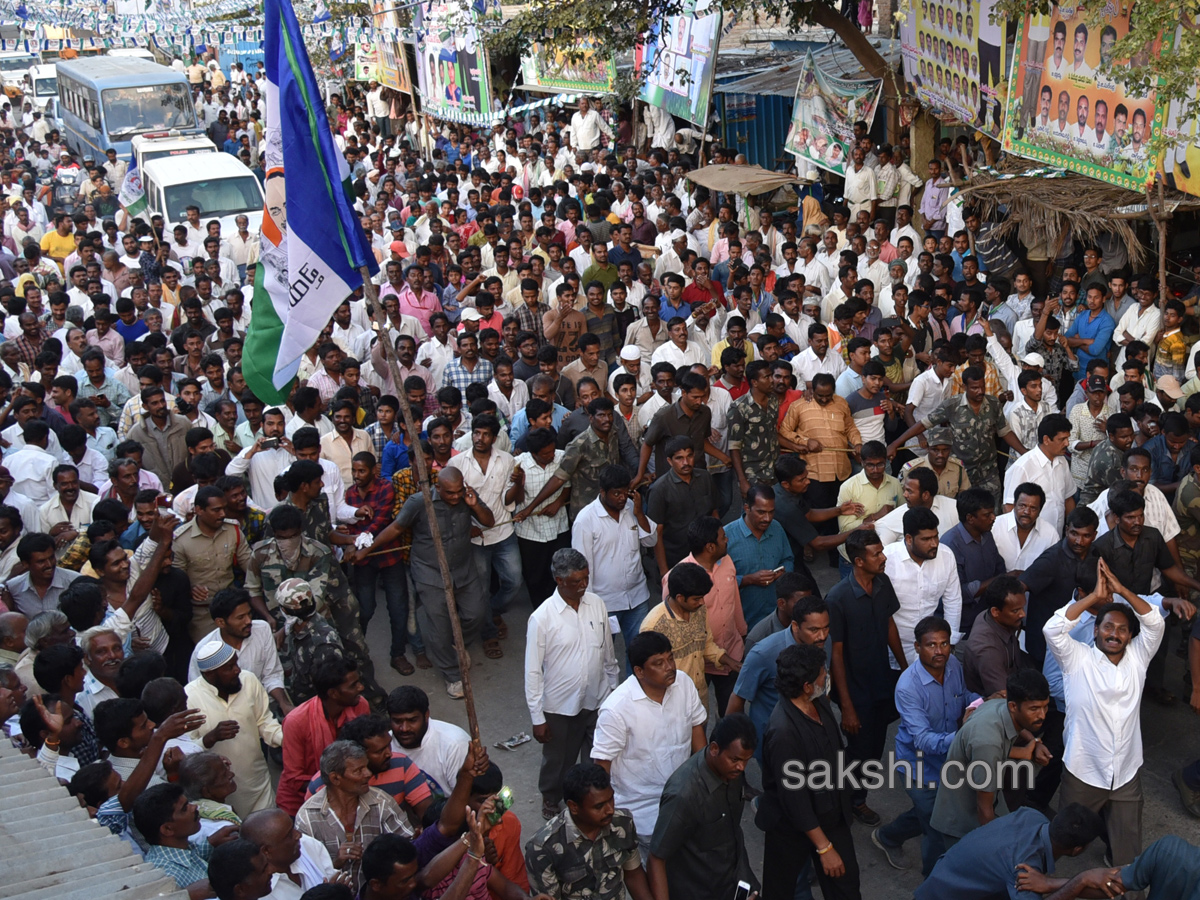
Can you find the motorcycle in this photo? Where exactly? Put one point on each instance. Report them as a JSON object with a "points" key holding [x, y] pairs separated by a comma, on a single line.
{"points": [[65, 195]]}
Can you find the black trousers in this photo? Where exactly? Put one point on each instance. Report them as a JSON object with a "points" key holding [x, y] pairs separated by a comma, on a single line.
{"points": [[871, 739], [535, 565], [570, 741], [785, 854], [722, 686], [822, 495]]}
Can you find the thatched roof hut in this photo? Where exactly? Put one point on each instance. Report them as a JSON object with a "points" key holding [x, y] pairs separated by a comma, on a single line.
{"points": [[1038, 200]]}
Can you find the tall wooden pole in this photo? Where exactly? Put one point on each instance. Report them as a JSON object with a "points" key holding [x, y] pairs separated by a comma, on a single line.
{"points": [[417, 459], [1160, 219]]}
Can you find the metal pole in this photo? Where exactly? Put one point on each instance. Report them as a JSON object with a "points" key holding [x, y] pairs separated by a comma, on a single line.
{"points": [[435, 531]]}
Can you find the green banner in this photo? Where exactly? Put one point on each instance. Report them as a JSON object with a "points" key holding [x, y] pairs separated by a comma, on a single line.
{"points": [[1064, 112]]}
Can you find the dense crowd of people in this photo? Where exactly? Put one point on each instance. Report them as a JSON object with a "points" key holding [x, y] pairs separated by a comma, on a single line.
{"points": [[657, 410]]}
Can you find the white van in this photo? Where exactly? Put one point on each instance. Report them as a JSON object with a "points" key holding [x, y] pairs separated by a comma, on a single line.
{"points": [[218, 183], [14, 66], [147, 147], [44, 86]]}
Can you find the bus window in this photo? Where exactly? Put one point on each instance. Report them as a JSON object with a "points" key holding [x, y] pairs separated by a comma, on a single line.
{"points": [[135, 110]]}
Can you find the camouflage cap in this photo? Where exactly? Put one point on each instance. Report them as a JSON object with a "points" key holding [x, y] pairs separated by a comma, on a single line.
{"points": [[937, 436], [293, 592]]}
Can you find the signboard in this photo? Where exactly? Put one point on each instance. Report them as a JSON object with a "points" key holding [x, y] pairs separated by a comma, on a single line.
{"points": [[391, 70], [680, 58], [1062, 111], [824, 113], [588, 71], [452, 63], [954, 59]]}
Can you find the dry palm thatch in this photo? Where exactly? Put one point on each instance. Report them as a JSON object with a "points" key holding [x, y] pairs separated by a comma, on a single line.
{"points": [[1045, 205]]}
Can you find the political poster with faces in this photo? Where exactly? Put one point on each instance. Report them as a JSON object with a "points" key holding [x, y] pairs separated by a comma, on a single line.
{"points": [[680, 56], [824, 113], [1064, 110], [954, 60], [452, 62]]}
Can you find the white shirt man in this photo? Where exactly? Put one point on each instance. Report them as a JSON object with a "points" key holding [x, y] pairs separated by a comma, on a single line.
{"points": [[257, 654], [491, 487], [661, 125], [928, 392], [570, 666], [816, 275], [30, 468], [690, 355], [263, 466], [646, 742], [890, 528], [440, 754], [860, 188], [313, 867], [1054, 477], [921, 585], [1017, 556], [807, 364], [611, 548], [52, 512], [1103, 735], [586, 128]]}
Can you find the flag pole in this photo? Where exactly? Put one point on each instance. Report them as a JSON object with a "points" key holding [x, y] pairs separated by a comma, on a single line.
{"points": [[417, 459]]}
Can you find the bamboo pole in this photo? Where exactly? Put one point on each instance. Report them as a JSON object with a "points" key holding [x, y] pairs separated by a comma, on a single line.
{"points": [[435, 530]]}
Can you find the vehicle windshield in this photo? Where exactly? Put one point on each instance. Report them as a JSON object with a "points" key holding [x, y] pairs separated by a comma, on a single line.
{"points": [[158, 107], [45, 87], [15, 64], [216, 197]]}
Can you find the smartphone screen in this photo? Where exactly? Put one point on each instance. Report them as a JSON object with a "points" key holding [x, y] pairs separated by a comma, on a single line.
{"points": [[742, 892]]}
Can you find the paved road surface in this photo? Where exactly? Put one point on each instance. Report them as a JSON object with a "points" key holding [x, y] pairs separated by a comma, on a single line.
{"points": [[1170, 735]]}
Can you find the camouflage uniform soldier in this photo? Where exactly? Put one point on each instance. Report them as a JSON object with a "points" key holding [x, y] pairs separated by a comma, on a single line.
{"points": [[1104, 466], [304, 633], [577, 855], [288, 554], [976, 419]]}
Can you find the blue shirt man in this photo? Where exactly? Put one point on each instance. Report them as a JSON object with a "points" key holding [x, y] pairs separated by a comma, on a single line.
{"points": [[1170, 867], [931, 697], [520, 422], [756, 681], [759, 548], [984, 863], [1093, 324]]}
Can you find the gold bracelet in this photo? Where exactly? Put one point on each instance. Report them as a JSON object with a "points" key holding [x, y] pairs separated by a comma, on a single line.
{"points": [[52, 743], [827, 848]]}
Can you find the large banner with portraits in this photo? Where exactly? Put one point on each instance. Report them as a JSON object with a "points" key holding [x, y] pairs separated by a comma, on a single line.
{"points": [[823, 116], [954, 60], [589, 70], [1063, 111], [681, 56], [452, 63]]}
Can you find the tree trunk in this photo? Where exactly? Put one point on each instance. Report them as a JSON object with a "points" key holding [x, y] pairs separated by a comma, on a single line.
{"points": [[856, 42]]}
